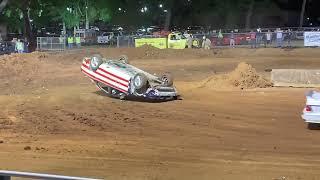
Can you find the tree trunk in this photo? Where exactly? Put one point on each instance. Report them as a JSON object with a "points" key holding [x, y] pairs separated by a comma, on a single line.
{"points": [[167, 22], [249, 15], [87, 19], [27, 30], [303, 8], [3, 4], [64, 30]]}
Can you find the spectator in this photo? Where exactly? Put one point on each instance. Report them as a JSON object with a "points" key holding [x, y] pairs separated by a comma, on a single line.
{"points": [[253, 41], [232, 42], [289, 37], [279, 37], [206, 43], [26, 45], [14, 44], [268, 38], [258, 37], [78, 41], [220, 37], [19, 46], [70, 42], [189, 41]]}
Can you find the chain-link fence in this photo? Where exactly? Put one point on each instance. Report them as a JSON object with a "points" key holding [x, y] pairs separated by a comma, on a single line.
{"points": [[125, 41], [263, 39], [51, 43]]}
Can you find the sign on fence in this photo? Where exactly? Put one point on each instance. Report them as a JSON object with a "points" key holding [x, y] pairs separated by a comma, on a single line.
{"points": [[312, 38]]}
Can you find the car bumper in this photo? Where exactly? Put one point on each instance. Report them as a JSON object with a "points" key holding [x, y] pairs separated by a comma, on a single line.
{"points": [[161, 92], [311, 118]]}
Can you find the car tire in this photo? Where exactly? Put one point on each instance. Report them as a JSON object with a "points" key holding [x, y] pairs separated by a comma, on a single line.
{"points": [[124, 59], [140, 81], [167, 79], [96, 61], [313, 126]]}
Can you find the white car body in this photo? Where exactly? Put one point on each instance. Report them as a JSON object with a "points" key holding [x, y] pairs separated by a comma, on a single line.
{"points": [[311, 112], [105, 37], [117, 75]]}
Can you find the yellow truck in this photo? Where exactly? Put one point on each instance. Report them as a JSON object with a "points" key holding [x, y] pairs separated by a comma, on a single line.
{"points": [[174, 41]]}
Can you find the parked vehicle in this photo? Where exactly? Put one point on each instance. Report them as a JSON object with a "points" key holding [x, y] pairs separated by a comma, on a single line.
{"points": [[105, 38], [311, 111], [175, 40], [87, 36], [117, 78], [240, 39], [6, 48]]}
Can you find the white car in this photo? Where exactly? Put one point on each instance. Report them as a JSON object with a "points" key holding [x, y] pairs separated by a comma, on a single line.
{"points": [[118, 78], [105, 37], [311, 112]]}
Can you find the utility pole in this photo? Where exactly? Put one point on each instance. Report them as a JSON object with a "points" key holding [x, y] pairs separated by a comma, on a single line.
{"points": [[303, 9]]}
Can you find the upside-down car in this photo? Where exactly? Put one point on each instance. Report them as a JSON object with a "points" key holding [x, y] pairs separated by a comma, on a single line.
{"points": [[117, 78]]}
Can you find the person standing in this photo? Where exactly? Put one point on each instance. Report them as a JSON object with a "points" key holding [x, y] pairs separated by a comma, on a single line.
{"points": [[279, 37], [253, 41], [268, 38], [289, 37], [220, 38], [70, 42], [259, 37], [78, 41], [232, 42], [206, 43], [189, 42], [26, 45], [19, 46]]}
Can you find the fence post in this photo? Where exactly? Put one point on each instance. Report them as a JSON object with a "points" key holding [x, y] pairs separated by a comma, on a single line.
{"points": [[38, 43], [128, 41], [118, 43], [51, 42]]}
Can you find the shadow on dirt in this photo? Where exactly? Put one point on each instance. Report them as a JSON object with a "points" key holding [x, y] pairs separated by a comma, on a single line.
{"points": [[139, 99]]}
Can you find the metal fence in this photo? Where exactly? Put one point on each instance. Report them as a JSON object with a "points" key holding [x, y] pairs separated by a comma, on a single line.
{"points": [[125, 41], [296, 39], [51, 43]]}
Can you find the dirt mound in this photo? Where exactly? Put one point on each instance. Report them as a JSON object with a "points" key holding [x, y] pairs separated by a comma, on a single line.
{"points": [[16, 64], [20, 69], [244, 77], [151, 52]]}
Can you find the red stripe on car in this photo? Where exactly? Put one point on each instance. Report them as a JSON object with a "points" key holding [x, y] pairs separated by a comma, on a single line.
{"points": [[118, 82], [100, 80]]}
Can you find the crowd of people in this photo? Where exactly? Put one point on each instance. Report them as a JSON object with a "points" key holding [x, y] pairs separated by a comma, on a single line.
{"points": [[71, 40], [255, 38], [20, 45]]}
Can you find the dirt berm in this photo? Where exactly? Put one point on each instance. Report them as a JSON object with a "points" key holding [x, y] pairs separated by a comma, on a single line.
{"points": [[244, 76]]}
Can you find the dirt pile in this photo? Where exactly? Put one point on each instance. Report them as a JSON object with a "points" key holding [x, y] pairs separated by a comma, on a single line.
{"points": [[151, 52], [17, 64], [20, 69], [244, 76]]}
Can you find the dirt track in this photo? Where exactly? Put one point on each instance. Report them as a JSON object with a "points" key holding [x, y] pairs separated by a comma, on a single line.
{"points": [[214, 133]]}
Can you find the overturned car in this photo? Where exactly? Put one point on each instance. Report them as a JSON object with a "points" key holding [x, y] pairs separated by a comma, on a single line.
{"points": [[117, 78]]}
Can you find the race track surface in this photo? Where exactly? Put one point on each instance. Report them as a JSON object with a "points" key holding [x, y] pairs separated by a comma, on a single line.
{"points": [[54, 120]]}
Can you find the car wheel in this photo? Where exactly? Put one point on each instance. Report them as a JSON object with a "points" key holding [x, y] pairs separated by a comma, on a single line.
{"points": [[139, 81], [167, 79], [313, 126], [124, 59], [96, 61]]}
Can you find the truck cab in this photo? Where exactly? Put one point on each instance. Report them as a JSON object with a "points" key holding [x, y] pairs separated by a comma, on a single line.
{"points": [[177, 40]]}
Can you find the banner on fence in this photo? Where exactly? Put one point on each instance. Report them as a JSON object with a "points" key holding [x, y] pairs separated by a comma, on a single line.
{"points": [[312, 38]]}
